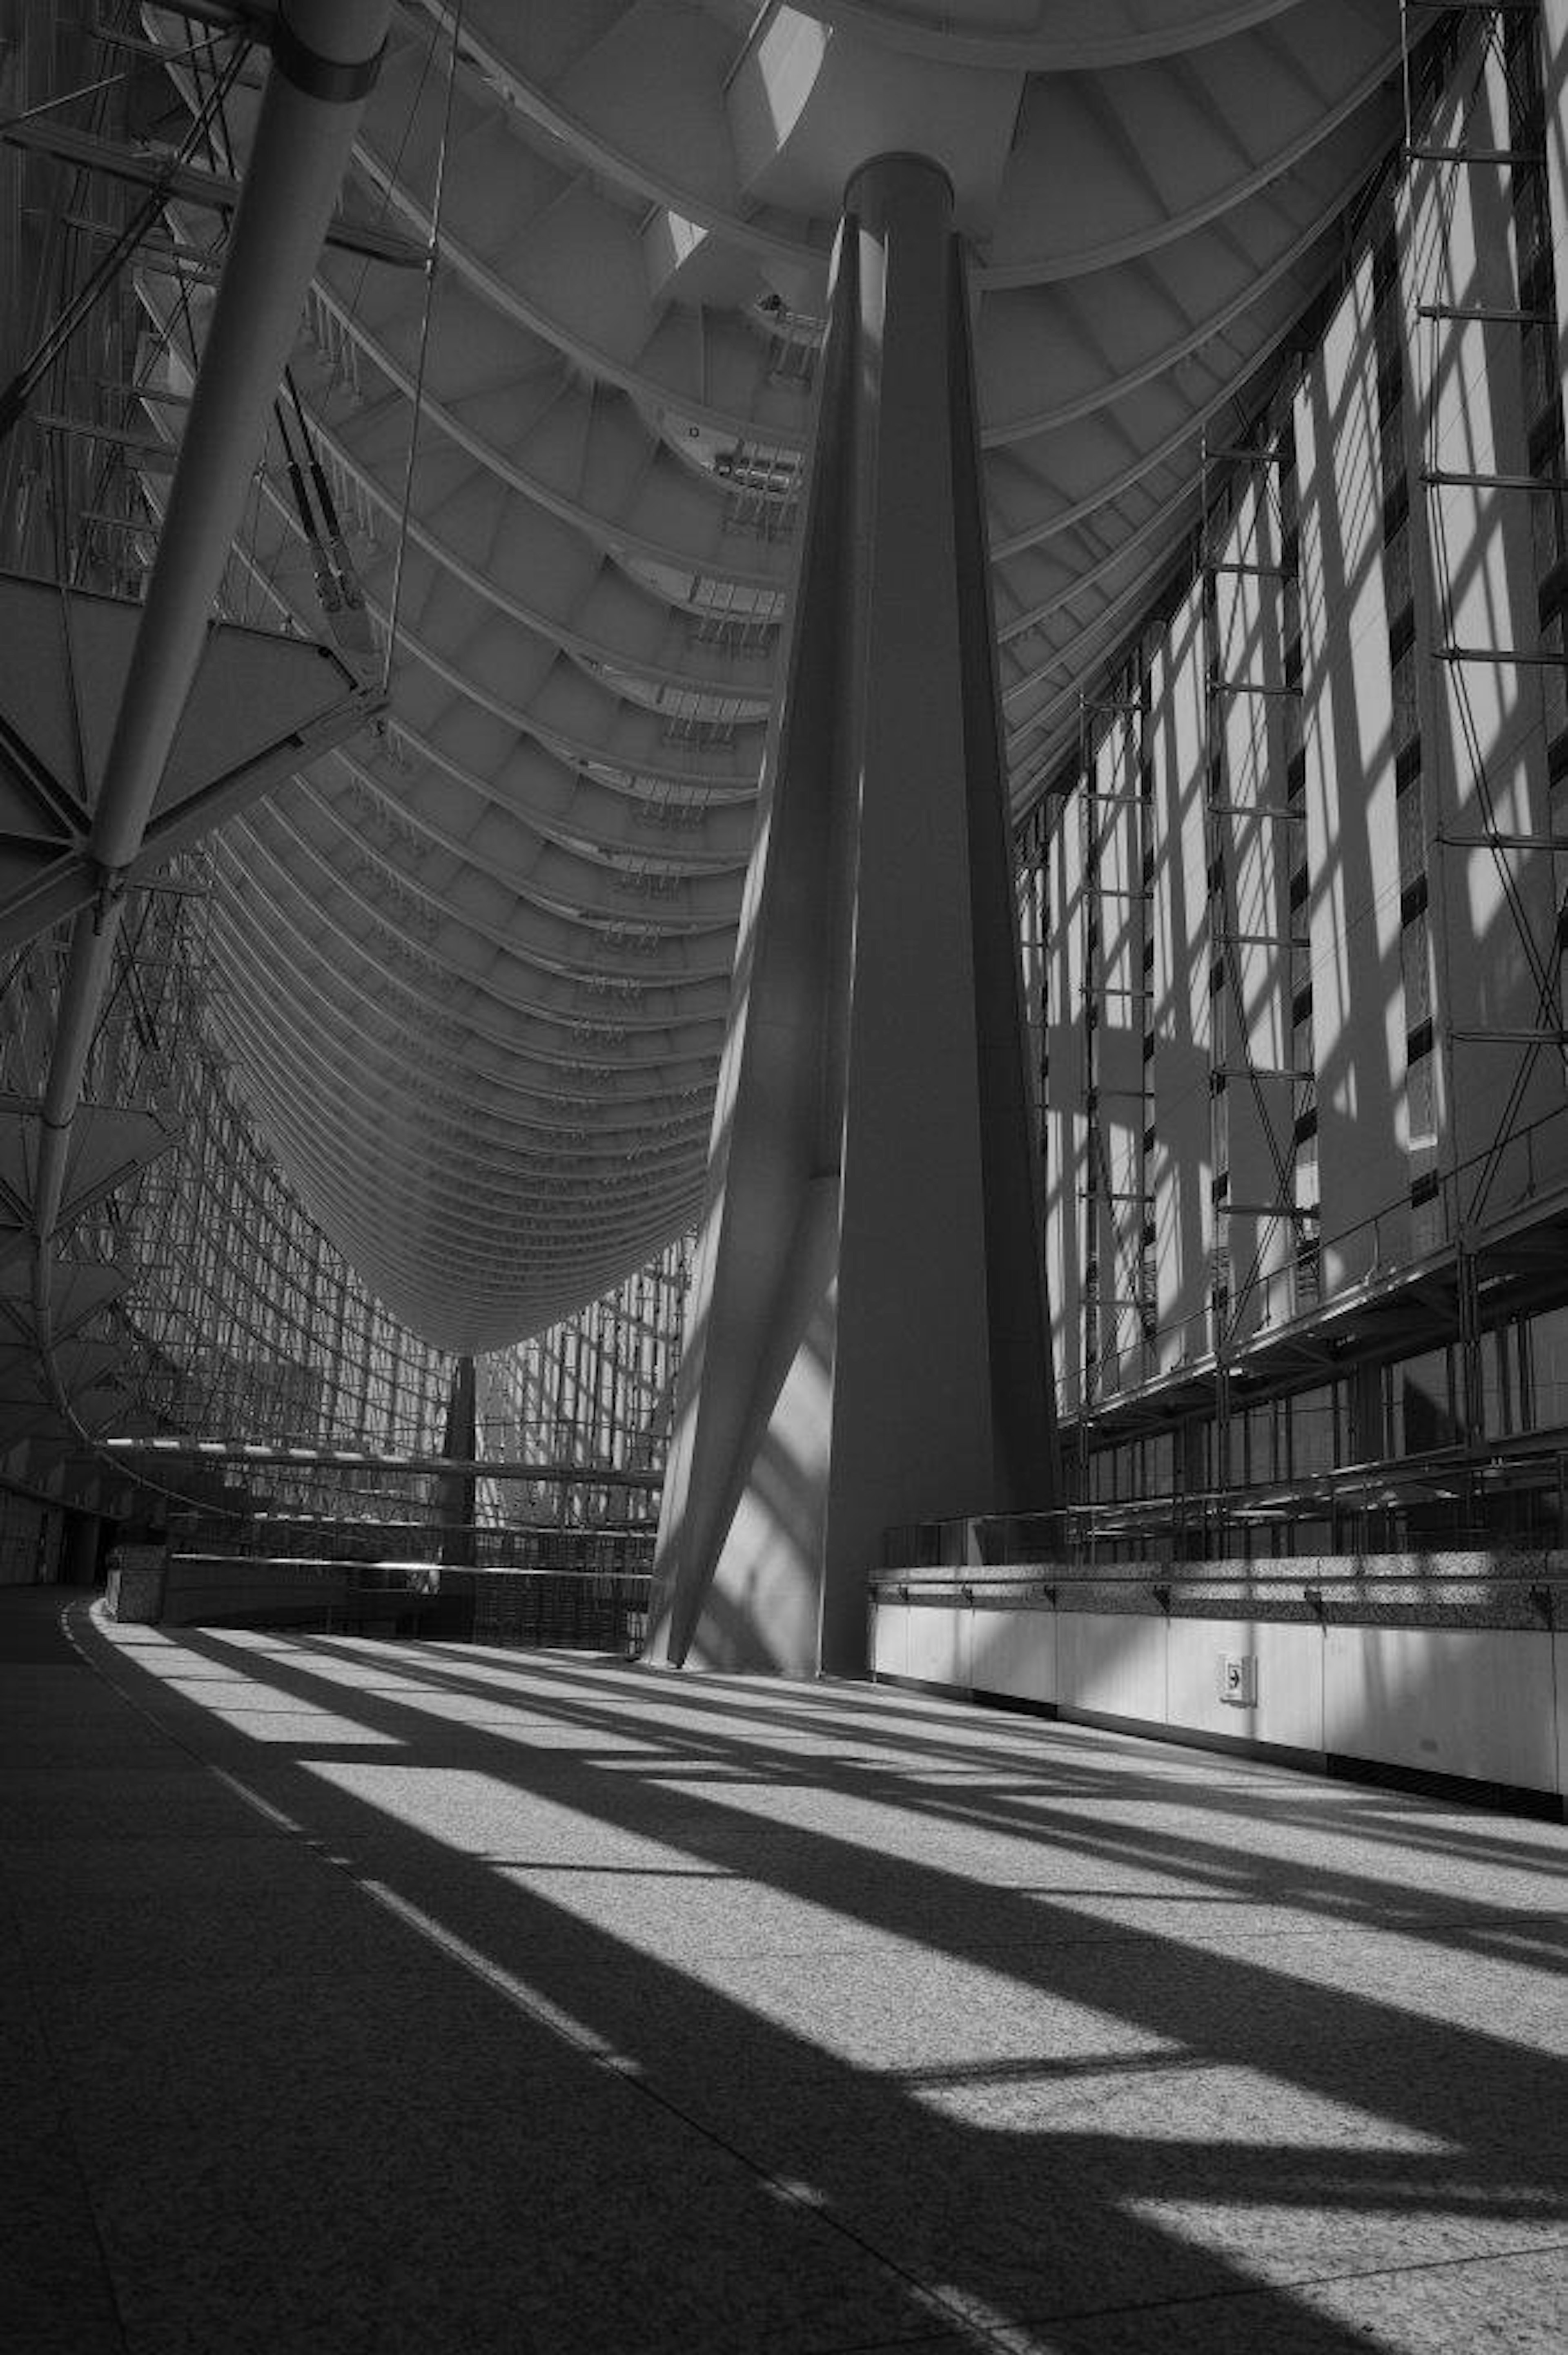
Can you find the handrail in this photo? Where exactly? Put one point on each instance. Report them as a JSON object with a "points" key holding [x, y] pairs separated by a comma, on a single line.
{"points": [[340, 1566], [1169, 1575], [1060, 1532]]}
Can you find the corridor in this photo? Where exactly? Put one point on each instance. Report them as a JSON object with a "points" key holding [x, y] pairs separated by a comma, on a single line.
{"points": [[415, 2000]]}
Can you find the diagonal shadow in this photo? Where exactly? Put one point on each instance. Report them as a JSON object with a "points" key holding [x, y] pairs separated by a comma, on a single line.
{"points": [[1348, 1815], [1025, 2208], [1223, 1872]]}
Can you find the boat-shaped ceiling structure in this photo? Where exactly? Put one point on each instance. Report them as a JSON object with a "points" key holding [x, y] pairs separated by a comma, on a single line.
{"points": [[474, 966]]}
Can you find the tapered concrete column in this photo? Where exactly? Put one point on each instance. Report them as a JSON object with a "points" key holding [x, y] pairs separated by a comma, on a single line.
{"points": [[866, 1341]]}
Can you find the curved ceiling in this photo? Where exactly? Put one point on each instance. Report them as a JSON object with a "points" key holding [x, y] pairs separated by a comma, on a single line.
{"points": [[476, 965]]}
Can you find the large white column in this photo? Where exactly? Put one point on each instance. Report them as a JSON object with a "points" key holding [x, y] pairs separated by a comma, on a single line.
{"points": [[866, 1341]]}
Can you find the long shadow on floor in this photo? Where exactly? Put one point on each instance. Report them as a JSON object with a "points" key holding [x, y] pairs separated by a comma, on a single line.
{"points": [[1044, 1799], [1180, 2124], [1219, 1784]]}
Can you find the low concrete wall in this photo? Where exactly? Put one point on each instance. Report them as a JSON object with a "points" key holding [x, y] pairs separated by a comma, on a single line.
{"points": [[209, 1590], [1481, 1704], [135, 1589]]}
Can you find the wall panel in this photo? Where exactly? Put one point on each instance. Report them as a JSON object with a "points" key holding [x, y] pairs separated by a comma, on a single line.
{"points": [[1447, 1701], [1252, 838], [1115, 1667], [1353, 890], [1114, 831], [1182, 1163], [1352, 848], [1066, 1079], [1477, 593], [1014, 1652], [1486, 1704]]}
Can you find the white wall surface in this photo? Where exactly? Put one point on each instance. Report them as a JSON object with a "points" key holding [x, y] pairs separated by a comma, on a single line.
{"points": [[1289, 1704], [1014, 1652], [1464, 570], [1116, 827], [1183, 1154], [1252, 1019], [890, 1640], [1066, 1129], [1489, 1703], [1353, 846], [1554, 42], [939, 1646], [1465, 1700], [1484, 738], [1115, 1666]]}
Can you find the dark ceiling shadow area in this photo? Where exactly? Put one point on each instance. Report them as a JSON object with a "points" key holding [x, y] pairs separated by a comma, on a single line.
{"points": [[1270, 2119]]}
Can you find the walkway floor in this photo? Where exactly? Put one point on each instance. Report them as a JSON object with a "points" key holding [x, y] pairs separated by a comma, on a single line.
{"points": [[411, 1999]]}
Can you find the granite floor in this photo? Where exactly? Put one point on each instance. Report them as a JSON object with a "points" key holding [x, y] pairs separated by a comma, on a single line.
{"points": [[410, 1999]]}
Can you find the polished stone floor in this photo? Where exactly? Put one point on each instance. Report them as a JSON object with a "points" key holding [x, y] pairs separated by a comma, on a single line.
{"points": [[409, 2000]]}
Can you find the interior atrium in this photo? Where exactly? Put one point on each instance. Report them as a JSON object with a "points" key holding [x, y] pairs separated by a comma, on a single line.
{"points": [[783, 878]]}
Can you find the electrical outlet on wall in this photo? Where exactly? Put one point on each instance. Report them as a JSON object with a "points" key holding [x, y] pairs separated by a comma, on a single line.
{"points": [[1238, 1678]]}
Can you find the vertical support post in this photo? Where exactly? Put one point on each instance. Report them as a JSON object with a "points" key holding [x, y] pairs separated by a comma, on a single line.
{"points": [[457, 1492], [866, 1341]]}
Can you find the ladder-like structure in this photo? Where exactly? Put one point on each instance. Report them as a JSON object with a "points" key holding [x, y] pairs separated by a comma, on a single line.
{"points": [[1116, 1198], [1476, 225], [1262, 1093]]}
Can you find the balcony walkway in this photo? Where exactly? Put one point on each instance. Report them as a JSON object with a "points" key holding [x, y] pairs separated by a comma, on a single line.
{"points": [[405, 2000]]}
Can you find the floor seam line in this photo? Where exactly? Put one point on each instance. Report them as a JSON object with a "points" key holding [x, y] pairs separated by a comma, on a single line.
{"points": [[1297, 2281], [947, 2315], [952, 2316], [67, 2119]]}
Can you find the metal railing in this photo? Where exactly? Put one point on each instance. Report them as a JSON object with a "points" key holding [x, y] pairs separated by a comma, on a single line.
{"points": [[1525, 1589]]}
